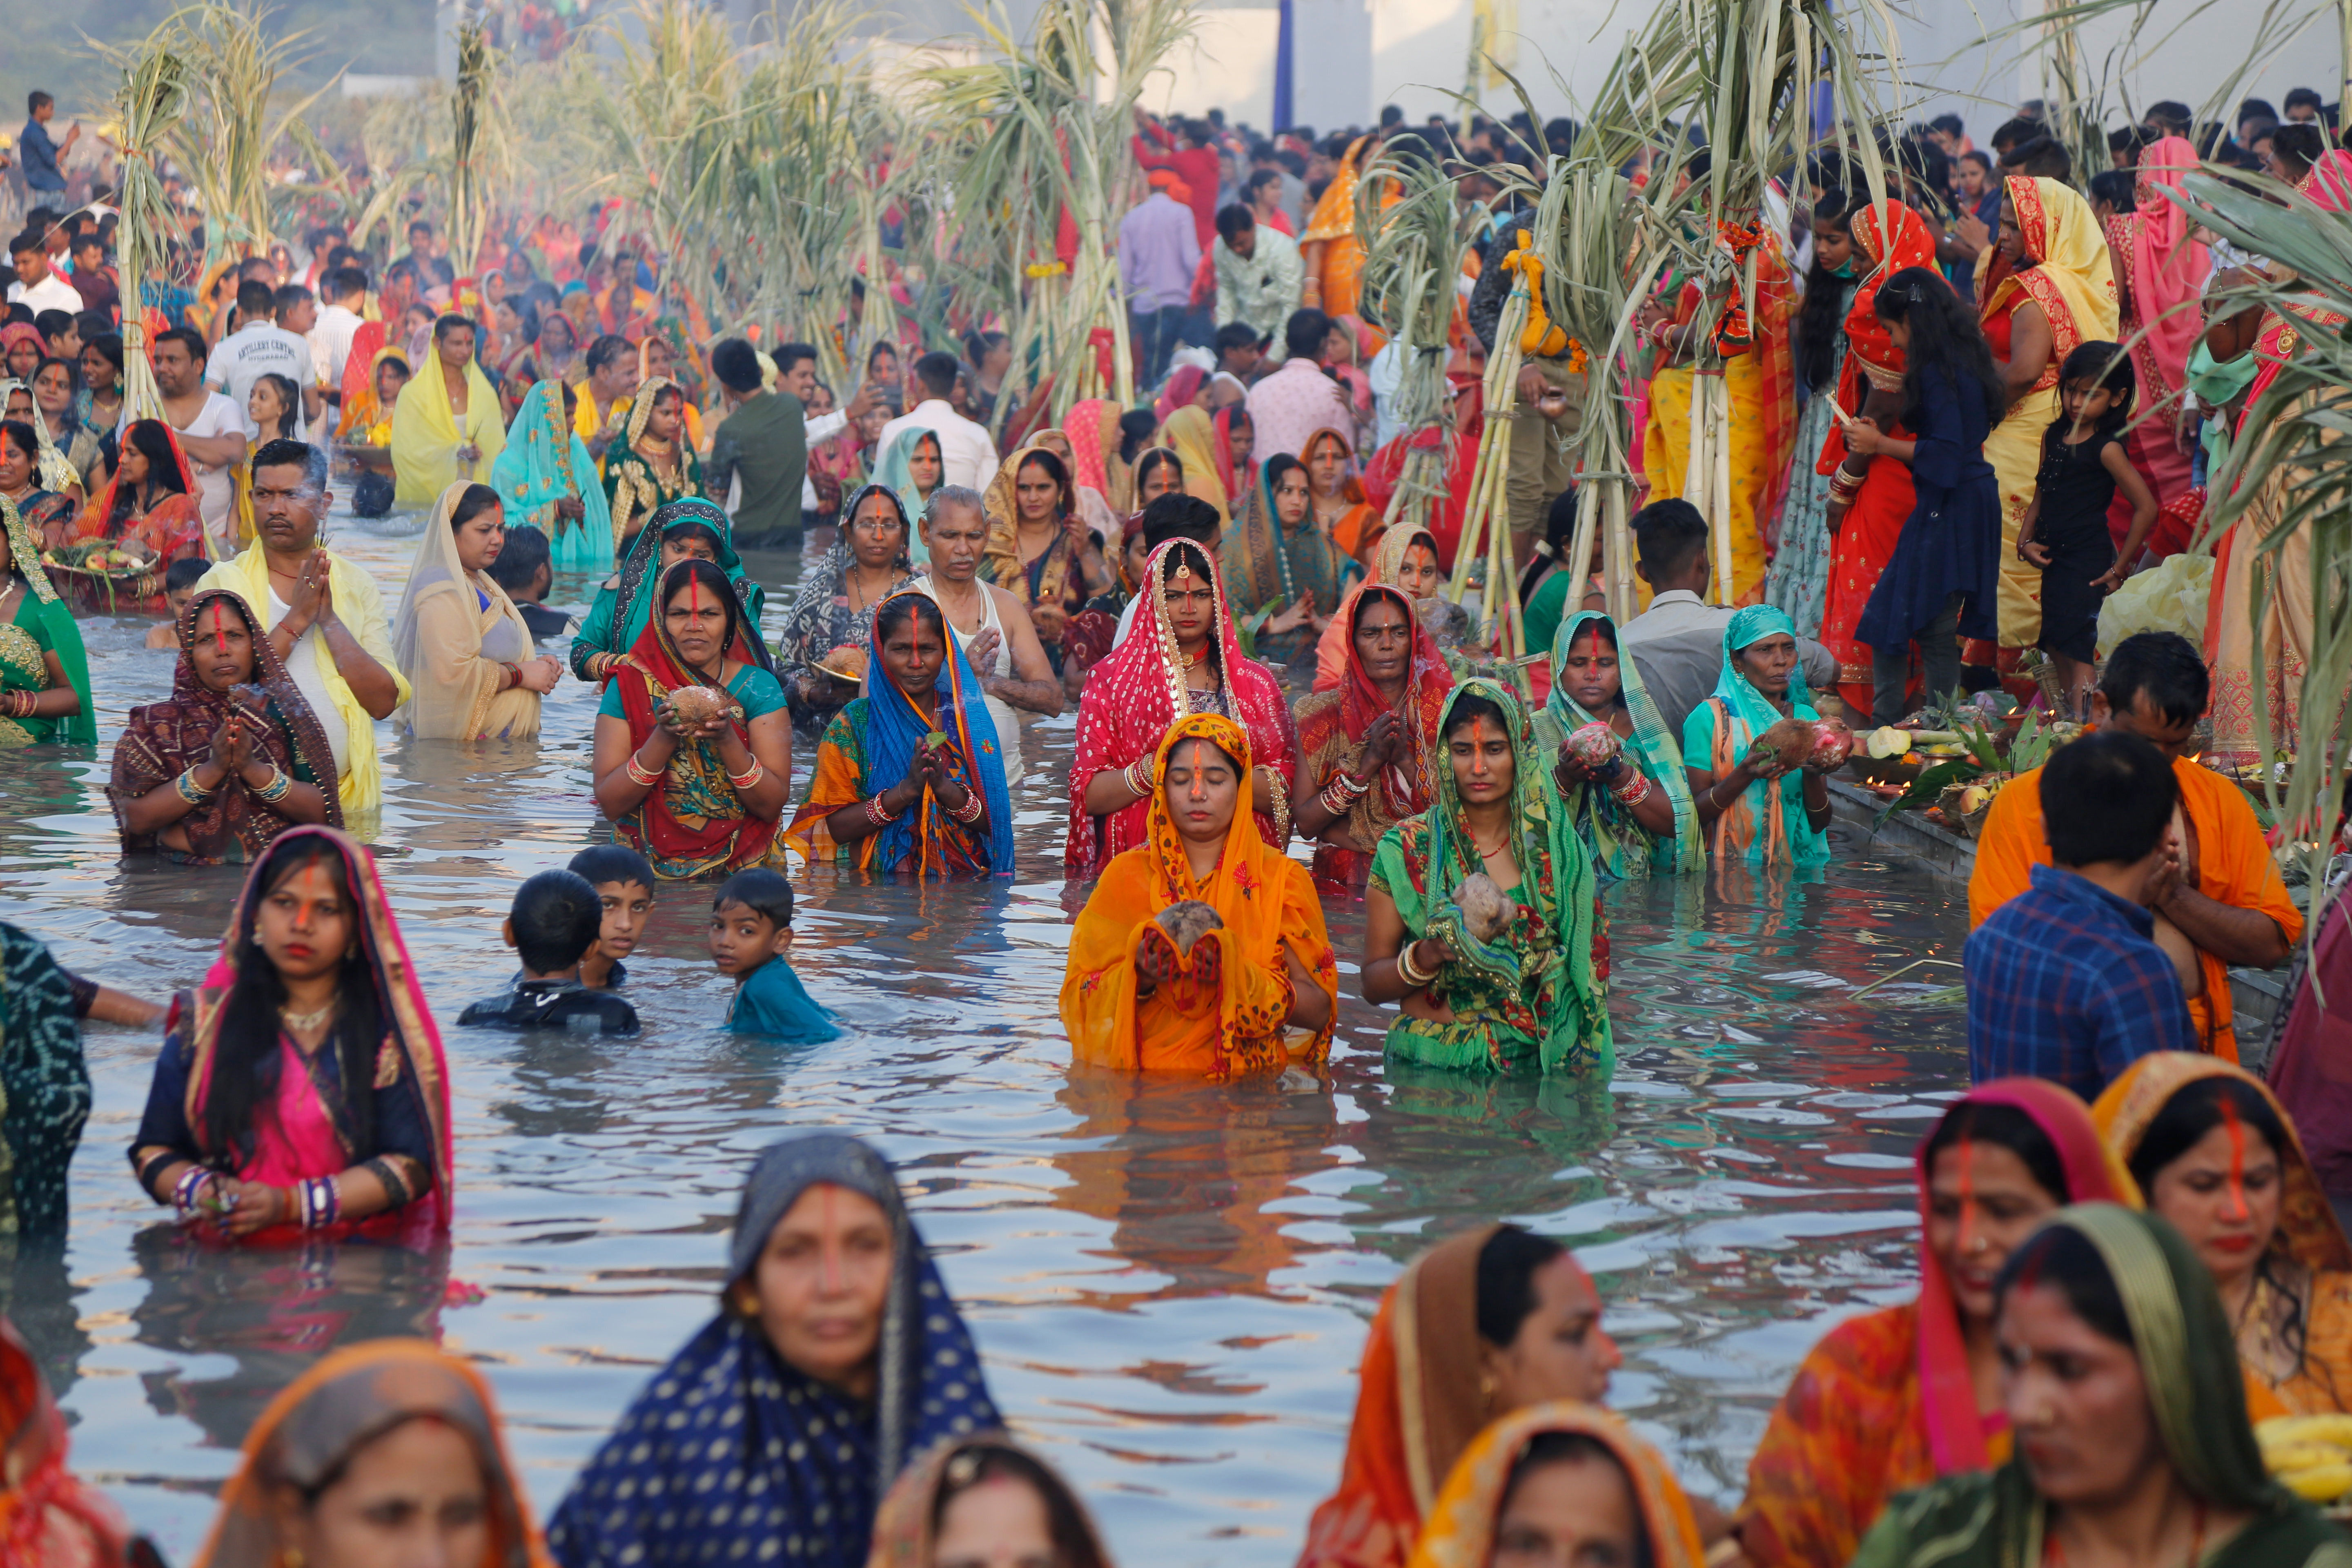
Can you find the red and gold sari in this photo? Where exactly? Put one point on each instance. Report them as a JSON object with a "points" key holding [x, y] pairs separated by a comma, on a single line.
{"points": [[1331, 726]]}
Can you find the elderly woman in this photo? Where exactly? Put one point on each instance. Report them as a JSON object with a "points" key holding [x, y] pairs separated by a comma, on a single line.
{"points": [[836, 1359], [1749, 803]]}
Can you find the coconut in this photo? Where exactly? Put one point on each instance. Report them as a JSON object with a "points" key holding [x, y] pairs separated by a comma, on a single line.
{"points": [[1595, 746], [1484, 910], [1791, 740], [1833, 744], [848, 661], [1186, 922], [696, 704]]}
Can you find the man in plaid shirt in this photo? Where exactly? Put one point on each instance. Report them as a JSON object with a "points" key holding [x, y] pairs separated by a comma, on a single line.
{"points": [[2065, 981]]}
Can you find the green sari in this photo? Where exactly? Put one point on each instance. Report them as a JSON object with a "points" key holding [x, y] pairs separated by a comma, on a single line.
{"points": [[1266, 566], [617, 617], [1620, 847], [42, 625], [1533, 999], [2188, 1356]]}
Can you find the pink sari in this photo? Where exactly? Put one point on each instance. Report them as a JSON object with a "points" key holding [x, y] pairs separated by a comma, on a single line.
{"points": [[2163, 269]]}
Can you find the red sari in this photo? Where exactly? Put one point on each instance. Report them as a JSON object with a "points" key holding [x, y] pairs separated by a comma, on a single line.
{"points": [[1331, 726], [1894, 237], [1136, 693], [52, 1518]]}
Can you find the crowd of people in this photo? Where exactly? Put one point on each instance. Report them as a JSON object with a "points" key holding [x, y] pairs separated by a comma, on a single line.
{"points": [[1942, 458]]}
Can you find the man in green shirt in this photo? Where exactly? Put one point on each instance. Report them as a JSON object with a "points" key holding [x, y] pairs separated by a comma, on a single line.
{"points": [[763, 442]]}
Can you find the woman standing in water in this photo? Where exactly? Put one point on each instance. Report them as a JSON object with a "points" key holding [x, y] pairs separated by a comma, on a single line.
{"points": [[302, 1088], [836, 1358], [44, 675], [1749, 803]]}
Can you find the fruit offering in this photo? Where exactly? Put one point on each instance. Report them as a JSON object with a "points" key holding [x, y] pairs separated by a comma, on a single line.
{"points": [[1187, 922], [2312, 1454], [696, 704], [1790, 741], [1595, 746], [1484, 910]]}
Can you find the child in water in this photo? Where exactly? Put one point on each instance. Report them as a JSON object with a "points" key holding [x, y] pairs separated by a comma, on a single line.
{"points": [[624, 887], [750, 931], [551, 927], [180, 580]]}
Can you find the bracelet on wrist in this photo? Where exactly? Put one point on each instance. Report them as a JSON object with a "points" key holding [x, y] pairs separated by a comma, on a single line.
{"points": [[751, 778], [968, 812], [639, 774], [877, 814]]}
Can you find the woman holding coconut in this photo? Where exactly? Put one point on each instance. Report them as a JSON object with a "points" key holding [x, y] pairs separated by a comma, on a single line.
{"points": [[912, 775], [1757, 754], [694, 747]]}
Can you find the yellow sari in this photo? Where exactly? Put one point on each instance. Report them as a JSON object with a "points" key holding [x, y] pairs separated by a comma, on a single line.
{"points": [[1192, 436], [2074, 281], [426, 438]]}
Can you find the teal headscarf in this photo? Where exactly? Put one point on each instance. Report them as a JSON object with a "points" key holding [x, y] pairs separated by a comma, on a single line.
{"points": [[632, 604], [1530, 998], [1752, 713], [544, 462], [64, 637], [1621, 847], [895, 474]]}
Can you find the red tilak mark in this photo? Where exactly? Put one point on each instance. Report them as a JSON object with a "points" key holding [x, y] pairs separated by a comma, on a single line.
{"points": [[2237, 1159], [220, 637], [694, 593]]}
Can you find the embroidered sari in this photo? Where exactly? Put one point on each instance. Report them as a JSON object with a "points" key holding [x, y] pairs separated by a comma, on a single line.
{"points": [[1267, 564], [634, 488], [1331, 726], [867, 748], [53, 1519], [315, 1123], [1137, 692], [45, 1095], [1332, 648], [1767, 823], [424, 434], [1462, 1522], [1620, 845], [1226, 1009], [1886, 1402], [693, 824], [309, 1432], [2181, 1338], [1535, 998], [731, 1450], [1893, 237], [2067, 273], [544, 463], [163, 740], [2295, 1338], [454, 632], [41, 625]]}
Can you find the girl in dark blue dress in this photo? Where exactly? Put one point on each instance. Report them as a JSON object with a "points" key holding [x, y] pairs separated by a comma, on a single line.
{"points": [[1938, 584]]}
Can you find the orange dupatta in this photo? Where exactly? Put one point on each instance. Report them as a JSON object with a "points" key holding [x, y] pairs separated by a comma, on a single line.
{"points": [[1225, 1011], [1461, 1531]]}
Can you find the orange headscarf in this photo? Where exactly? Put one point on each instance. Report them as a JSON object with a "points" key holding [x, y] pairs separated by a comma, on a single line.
{"points": [[1226, 1011], [1460, 1530]]}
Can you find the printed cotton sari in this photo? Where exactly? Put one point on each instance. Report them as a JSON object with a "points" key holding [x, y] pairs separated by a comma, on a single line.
{"points": [[2295, 1338], [1535, 998], [163, 740], [544, 463], [452, 635], [1620, 847], [1767, 823], [1136, 693], [618, 615], [2182, 1337], [1462, 1522], [45, 1094], [731, 1450], [1886, 1402], [822, 619], [1331, 726], [314, 1126], [311, 1431], [1226, 1011], [867, 748], [41, 625]]}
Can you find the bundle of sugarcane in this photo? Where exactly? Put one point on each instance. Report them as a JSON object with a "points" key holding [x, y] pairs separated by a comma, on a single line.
{"points": [[2288, 477], [1486, 518], [224, 142], [1411, 257], [152, 96], [473, 110]]}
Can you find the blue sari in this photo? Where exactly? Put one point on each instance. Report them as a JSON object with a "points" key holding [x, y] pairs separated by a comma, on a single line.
{"points": [[733, 1456]]}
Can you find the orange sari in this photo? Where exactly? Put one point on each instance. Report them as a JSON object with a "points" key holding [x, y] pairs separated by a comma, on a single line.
{"points": [[1333, 221], [2285, 1376], [1225, 1011]]}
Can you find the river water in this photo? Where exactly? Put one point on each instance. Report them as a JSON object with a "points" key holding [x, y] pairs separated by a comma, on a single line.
{"points": [[1171, 1282]]}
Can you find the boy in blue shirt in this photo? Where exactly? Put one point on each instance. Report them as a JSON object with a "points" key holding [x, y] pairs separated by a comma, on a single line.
{"points": [[750, 931]]}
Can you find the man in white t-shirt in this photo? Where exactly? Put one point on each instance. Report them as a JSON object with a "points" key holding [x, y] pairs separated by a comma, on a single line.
{"points": [[211, 428], [967, 455], [260, 347], [38, 286], [344, 289]]}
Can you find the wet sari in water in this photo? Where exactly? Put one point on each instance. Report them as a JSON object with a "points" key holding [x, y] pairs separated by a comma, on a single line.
{"points": [[617, 617], [454, 635], [163, 740], [426, 436], [317, 1122], [307, 1438], [1462, 1522], [170, 528], [543, 463], [1137, 692], [1620, 845], [1885, 1400], [45, 1094], [2181, 1338], [865, 750], [822, 619], [1535, 997], [2295, 1338], [1331, 726], [732, 1451], [634, 488], [1055, 576], [1225, 1011], [49, 1517], [1767, 823], [42, 625]]}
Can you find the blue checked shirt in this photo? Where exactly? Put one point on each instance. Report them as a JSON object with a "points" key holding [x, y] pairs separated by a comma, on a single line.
{"points": [[2065, 983]]}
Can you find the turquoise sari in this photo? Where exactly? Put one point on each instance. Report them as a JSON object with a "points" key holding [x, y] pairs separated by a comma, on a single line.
{"points": [[1266, 566], [893, 473], [1620, 847], [1767, 825], [544, 462], [625, 603]]}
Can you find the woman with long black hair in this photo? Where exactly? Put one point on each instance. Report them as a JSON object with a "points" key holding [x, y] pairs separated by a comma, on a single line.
{"points": [[1938, 584], [1797, 582]]}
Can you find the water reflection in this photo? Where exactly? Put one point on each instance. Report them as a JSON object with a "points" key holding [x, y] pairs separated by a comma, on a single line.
{"points": [[1170, 1281]]}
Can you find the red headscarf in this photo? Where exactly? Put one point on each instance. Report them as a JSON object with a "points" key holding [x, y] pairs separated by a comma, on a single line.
{"points": [[1894, 237], [1136, 693], [52, 1517], [1183, 385]]}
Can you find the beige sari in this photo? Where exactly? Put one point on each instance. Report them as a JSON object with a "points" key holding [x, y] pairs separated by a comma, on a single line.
{"points": [[455, 633]]}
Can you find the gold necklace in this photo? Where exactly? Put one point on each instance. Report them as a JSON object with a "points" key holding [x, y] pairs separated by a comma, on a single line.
{"points": [[303, 1023]]}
